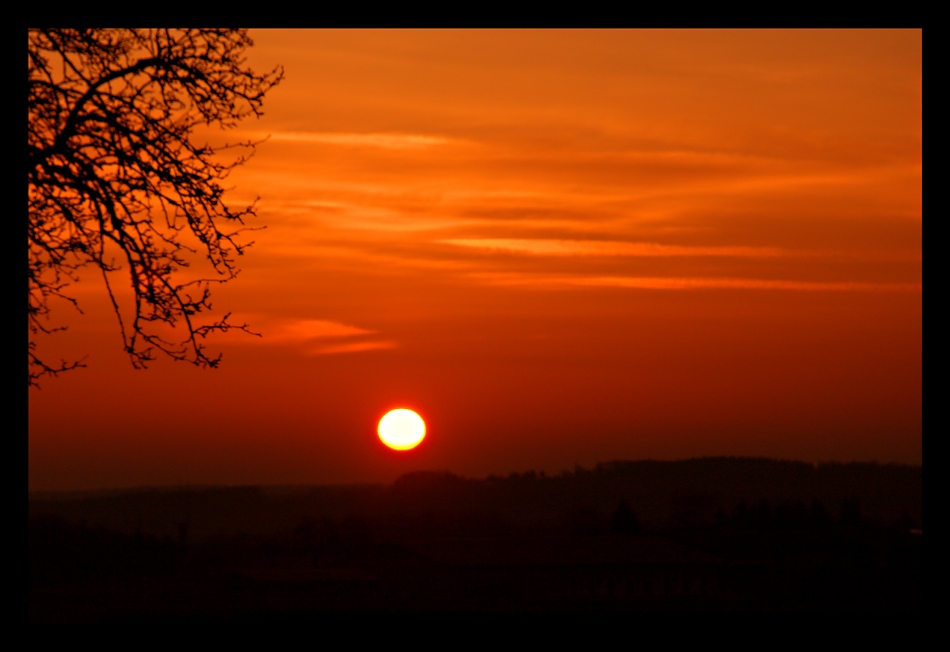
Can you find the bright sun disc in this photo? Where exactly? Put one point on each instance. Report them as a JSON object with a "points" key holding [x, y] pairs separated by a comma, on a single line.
{"points": [[401, 429]]}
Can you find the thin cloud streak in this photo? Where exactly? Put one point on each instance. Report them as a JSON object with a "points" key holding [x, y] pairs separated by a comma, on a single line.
{"points": [[317, 336], [609, 248], [352, 347], [659, 283], [291, 331], [308, 329], [382, 140]]}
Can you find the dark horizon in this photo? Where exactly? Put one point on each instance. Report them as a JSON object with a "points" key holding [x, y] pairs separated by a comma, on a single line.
{"points": [[712, 535], [542, 474]]}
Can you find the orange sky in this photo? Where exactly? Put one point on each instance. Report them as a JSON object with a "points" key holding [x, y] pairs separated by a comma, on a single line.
{"points": [[560, 247]]}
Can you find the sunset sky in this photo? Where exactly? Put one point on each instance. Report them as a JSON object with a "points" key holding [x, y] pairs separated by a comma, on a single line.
{"points": [[559, 247]]}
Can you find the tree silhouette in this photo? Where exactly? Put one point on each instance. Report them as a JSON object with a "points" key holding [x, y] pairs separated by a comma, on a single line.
{"points": [[118, 182], [624, 520]]}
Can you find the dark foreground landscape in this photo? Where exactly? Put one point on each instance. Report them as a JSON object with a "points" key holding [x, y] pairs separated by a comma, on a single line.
{"points": [[702, 535]]}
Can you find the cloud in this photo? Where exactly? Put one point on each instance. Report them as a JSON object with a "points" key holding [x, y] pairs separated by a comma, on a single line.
{"points": [[315, 336], [302, 330], [608, 248], [382, 140], [352, 347], [662, 283]]}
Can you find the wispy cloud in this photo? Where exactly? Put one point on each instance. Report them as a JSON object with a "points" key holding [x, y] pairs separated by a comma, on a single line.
{"points": [[316, 336], [302, 330], [352, 347], [383, 140], [608, 248], [687, 283]]}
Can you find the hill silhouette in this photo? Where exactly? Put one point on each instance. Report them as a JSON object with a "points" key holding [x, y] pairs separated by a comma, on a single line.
{"points": [[740, 534]]}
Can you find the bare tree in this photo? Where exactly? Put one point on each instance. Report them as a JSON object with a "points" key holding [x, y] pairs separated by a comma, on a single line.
{"points": [[117, 181]]}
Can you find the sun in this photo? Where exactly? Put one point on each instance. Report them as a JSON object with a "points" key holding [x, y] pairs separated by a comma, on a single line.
{"points": [[401, 429]]}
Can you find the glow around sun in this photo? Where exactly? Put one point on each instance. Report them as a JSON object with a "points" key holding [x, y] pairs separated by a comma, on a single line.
{"points": [[401, 429]]}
